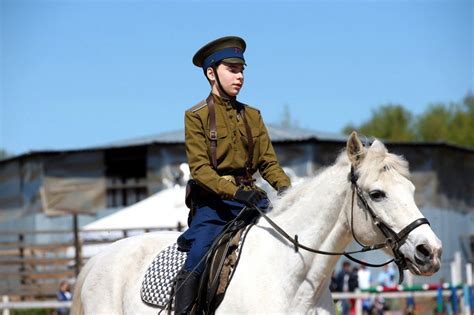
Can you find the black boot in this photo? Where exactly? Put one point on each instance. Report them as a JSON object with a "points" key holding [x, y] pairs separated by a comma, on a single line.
{"points": [[186, 291]]}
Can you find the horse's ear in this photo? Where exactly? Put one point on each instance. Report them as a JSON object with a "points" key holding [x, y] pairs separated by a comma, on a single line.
{"points": [[355, 149]]}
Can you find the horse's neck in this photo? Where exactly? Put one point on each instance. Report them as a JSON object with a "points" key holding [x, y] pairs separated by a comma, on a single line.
{"points": [[318, 215]]}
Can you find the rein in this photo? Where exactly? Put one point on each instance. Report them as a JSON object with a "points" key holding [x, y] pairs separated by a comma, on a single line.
{"points": [[393, 240]]}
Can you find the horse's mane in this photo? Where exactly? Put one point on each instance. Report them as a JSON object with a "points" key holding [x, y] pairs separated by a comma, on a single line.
{"points": [[378, 161]]}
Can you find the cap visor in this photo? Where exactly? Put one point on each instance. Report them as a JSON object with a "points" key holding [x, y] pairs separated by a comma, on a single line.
{"points": [[234, 60]]}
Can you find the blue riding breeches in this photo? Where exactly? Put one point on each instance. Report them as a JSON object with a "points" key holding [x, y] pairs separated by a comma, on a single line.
{"points": [[207, 223]]}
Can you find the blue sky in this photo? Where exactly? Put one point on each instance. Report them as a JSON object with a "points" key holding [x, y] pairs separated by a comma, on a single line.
{"points": [[82, 73]]}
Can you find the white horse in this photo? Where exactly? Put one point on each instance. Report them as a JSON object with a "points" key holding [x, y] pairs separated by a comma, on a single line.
{"points": [[271, 277]]}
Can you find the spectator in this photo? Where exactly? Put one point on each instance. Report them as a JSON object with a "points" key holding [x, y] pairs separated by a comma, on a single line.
{"points": [[342, 285], [364, 277], [64, 294], [333, 284], [353, 279], [386, 277]]}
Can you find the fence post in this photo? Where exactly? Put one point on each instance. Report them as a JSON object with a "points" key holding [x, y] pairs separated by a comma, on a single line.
{"points": [[467, 289], [5, 299], [358, 304], [77, 244], [21, 249], [439, 301]]}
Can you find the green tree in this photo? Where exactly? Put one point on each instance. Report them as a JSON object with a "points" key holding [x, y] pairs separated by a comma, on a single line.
{"points": [[286, 120], [452, 123], [3, 154], [434, 123], [390, 122]]}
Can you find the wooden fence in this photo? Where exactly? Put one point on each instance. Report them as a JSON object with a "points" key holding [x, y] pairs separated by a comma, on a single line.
{"points": [[31, 269]]}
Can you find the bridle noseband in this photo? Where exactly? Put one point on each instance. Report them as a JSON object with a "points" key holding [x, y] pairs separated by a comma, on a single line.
{"points": [[393, 239]]}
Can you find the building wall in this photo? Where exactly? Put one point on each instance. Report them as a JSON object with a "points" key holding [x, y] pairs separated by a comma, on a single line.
{"points": [[442, 176]]}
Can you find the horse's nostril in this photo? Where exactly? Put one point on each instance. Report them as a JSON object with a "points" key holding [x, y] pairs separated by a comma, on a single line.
{"points": [[424, 251]]}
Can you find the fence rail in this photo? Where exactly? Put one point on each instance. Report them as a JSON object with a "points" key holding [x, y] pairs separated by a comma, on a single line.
{"points": [[358, 296], [32, 269]]}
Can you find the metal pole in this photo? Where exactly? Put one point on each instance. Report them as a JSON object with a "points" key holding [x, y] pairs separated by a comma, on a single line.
{"points": [[77, 244]]}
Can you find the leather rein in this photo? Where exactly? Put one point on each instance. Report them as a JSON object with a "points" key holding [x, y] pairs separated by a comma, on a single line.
{"points": [[393, 239]]}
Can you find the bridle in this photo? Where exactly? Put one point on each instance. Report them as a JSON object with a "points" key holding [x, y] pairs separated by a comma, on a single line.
{"points": [[393, 239]]}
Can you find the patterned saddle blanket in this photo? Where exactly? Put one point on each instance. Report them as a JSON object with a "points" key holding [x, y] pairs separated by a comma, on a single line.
{"points": [[158, 283]]}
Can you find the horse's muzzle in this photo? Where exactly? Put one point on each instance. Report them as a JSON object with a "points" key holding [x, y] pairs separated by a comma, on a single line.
{"points": [[426, 260]]}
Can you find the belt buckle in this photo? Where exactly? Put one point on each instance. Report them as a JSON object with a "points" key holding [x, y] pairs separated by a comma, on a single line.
{"points": [[213, 134]]}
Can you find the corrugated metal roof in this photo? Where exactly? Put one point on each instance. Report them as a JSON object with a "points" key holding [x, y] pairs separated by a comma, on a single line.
{"points": [[277, 134]]}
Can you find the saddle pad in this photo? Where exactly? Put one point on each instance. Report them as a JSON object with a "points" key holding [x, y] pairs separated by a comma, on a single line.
{"points": [[158, 283], [159, 277]]}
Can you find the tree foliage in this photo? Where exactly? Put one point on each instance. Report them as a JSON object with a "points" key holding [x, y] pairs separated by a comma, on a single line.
{"points": [[3, 154], [390, 122], [452, 123], [286, 120]]}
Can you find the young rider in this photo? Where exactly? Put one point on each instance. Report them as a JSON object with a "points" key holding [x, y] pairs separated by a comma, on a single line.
{"points": [[226, 143]]}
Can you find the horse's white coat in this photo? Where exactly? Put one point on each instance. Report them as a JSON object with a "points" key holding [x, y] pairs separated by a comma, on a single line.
{"points": [[271, 277]]}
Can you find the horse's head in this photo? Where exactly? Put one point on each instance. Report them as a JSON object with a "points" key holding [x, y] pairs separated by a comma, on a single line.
{"points": [[383, 192]]}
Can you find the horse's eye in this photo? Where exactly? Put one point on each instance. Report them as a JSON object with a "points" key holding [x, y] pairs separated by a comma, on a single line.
{"points": [[377, 195]]}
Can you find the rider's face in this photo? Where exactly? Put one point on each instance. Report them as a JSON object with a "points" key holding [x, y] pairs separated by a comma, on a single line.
{"points": [[231, 76]]}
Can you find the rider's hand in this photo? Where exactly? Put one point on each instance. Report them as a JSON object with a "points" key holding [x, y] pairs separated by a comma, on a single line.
{"points": [[249, 197]]}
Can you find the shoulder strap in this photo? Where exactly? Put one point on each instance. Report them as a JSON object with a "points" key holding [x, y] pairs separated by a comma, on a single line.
{"points": [[248, 131], [213, 130]]}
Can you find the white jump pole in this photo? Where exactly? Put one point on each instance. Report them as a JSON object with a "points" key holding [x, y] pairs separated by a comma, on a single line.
{"points": [[467, 290], [5, 299], [358, 305]]}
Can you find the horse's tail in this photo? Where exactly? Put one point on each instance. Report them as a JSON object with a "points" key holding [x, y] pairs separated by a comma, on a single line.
{"points": [[76, 307]]}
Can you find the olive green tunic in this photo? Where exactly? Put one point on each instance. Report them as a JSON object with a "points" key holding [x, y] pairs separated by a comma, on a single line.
{"points": [[232, 150]]}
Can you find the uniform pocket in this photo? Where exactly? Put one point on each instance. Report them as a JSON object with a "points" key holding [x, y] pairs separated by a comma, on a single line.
{"points": [[243, 133], [221, 132], [223, 141]]}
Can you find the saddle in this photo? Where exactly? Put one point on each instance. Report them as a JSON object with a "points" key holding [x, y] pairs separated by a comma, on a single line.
{"points": [[222, 259], [221, 263]]}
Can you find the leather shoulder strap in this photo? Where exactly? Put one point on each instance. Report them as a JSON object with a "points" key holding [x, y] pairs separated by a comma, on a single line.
{"points": [[213, 130], [250, 143]]}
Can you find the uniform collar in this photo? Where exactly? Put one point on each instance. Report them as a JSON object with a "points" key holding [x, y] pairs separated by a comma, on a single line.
{"points": [[224, 102]]}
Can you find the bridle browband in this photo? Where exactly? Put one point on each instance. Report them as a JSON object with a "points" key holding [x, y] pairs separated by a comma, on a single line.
{"points": [[393, 239]]}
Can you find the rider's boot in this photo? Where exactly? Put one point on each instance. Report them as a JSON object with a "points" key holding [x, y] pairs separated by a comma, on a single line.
{"points": [[186, 291]]}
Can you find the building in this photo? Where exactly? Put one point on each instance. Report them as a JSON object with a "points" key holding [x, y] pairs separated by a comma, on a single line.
{"points": [[38, 189]]}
